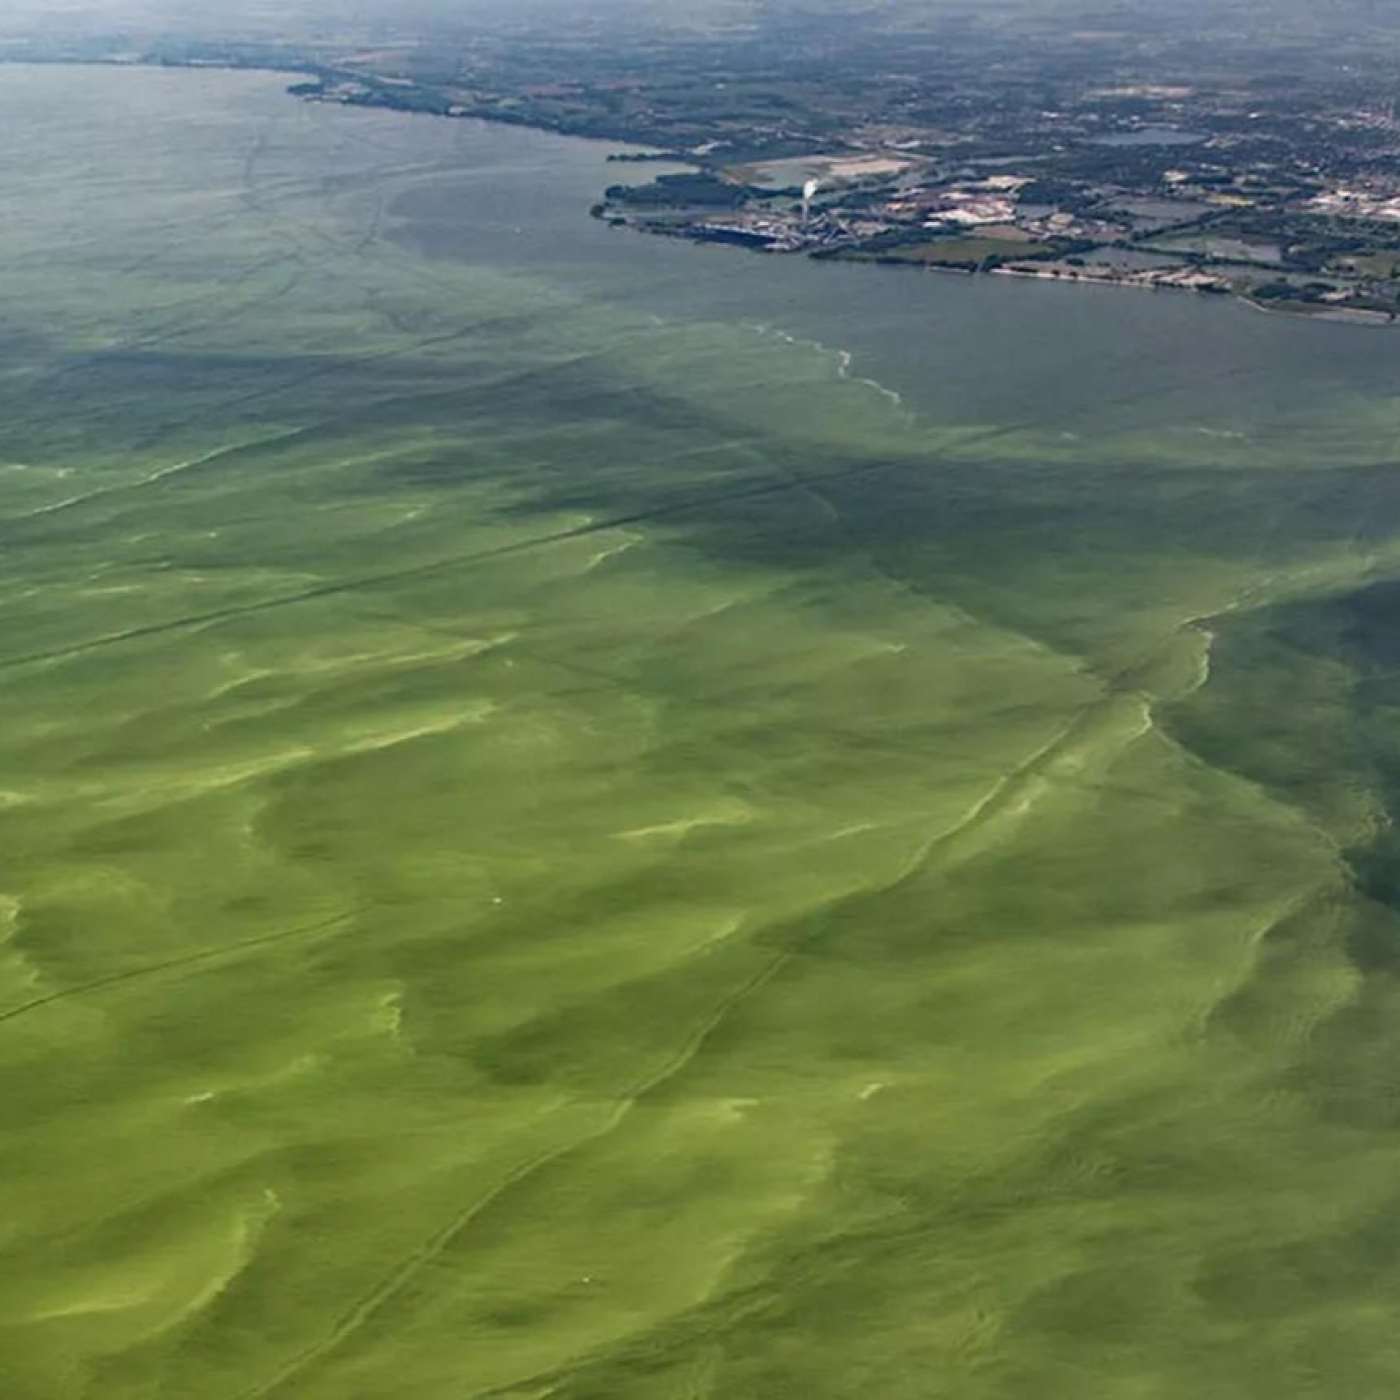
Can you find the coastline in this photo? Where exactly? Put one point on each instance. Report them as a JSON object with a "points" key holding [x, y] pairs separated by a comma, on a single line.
{"points": [[309, 80]]}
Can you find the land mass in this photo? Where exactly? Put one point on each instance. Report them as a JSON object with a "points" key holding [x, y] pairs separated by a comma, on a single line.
{"points": [[1263, 163]]}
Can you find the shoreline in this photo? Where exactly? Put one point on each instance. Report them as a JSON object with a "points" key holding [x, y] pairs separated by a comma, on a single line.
{"points": [[644, 152]]}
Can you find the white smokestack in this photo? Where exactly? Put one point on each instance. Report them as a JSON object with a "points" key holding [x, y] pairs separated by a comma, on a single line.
{"points": [[808, 191]]}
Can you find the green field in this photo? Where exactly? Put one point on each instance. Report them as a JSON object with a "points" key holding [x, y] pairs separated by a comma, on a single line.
{"points": [[558, 843], [959, 250]]}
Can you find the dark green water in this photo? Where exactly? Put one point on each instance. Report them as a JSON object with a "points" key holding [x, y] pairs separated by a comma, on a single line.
{"points": [[587, 817]]}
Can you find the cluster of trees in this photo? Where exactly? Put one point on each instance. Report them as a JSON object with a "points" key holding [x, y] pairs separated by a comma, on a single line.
{"points": [[687, 190]]}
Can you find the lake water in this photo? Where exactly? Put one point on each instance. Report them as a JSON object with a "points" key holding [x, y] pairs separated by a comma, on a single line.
{"points": [[596, 817]]}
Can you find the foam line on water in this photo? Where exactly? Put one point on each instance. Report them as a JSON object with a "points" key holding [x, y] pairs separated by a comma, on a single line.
{"points": [[845, 360]]}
